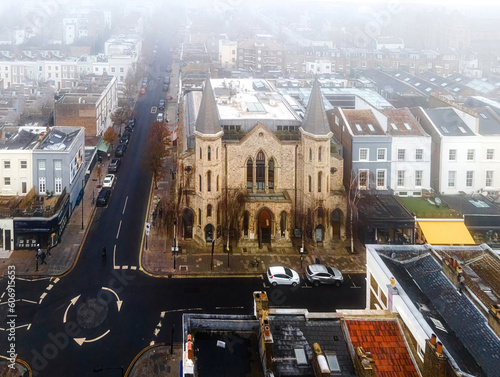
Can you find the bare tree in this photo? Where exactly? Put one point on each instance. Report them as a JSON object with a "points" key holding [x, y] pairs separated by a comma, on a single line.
{"points": [[159, 142], [122, 115], [231, 206]]}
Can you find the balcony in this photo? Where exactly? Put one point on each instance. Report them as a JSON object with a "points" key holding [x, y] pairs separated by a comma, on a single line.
{"points": [[31, 205]]}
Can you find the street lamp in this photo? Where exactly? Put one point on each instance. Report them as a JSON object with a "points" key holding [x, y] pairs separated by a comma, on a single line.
{"points": [[100, 369], [83, 184]]}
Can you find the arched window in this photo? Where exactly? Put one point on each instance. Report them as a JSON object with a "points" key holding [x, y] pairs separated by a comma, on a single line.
{"points": [[209, 210], [199, 216], [319, 154], [310, 154], [199, 176], [201, 154], [260, 171], [209, 181], [217, 183], [217, 153], [209, 154], [283, 223], [270, 174], [310, 184], [245, 223], [319, 181], [249, 174]]}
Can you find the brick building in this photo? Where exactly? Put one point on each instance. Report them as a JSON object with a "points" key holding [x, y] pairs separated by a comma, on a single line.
{"points": [[252, 168]]}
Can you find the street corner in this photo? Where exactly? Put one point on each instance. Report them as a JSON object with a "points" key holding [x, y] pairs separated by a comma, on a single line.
{"points": [[157, 359]]}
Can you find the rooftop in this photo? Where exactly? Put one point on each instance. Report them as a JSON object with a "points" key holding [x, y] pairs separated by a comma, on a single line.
{"points": [[363, 122], [448, 122]]}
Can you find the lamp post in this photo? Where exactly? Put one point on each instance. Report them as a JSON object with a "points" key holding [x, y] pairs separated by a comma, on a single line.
{"points": [[174, 249], [83, 184], [100, 369]]}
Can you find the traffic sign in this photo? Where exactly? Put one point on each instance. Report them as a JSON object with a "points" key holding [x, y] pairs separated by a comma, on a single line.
{"points": [[148, 228]]}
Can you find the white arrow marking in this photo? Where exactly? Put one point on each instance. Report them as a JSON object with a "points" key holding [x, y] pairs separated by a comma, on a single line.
{"points": [[118, 301], [80, 341], [157, 331], [162, 315], [114, 258], [72, 302], [18, 327]]}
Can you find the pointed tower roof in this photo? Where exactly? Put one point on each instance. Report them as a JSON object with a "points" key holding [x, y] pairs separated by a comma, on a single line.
{"points": [[315, 121], [207, 121]]}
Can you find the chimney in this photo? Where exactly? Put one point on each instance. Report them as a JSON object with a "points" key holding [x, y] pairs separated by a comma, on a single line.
{"points": [[435, 363], [266, 343], [393, 282], [363, 363], [494, 318], [320, 365], [260, 303]]}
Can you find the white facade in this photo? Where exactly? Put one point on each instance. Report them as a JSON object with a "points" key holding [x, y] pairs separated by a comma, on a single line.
{"points": [[16, 177], [320, 67], [228, 54]]}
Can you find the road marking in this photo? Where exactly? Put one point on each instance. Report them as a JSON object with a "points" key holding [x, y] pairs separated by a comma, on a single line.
{"points": [[125, 267], [153, 110], [29, 326], [354, 285], [42, 297], [152, 343], [56, 280], [80, 341], [125, 206], [162, 315], [119, 227], [1, 297], [114, 258], [157, 331], [50, 287], [118, 301], [133, 267], [18, 327], [32, 302], [182, 310], [72, 302]]}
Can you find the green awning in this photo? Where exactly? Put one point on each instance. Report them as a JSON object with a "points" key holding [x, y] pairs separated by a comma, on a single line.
{"points": [[102, 146]]}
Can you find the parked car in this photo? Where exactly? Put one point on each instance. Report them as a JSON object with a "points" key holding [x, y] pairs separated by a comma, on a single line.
{"points": [[128, 129], [143, 91], [161, 104], [125, 138], [320, 274], [103, 197], [109, 179], [278, 275], [131, 122], [114, 165], [120, 150], [165, 87], [160, 117]]}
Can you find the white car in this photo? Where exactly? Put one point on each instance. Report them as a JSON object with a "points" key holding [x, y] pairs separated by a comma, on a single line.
{"points": [[160, 117], [278, 275], [109, 180]]}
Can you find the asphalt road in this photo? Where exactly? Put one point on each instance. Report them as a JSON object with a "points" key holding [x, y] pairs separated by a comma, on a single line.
{"points": [[100, 315]]}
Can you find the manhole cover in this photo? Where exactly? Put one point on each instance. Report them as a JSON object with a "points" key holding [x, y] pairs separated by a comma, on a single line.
{"points": [[91, 313]]}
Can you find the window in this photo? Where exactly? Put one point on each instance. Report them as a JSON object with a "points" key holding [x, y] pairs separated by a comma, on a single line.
{"points": [[310, 154], [310, 184], [217, 183], [6, 164], [6, 181], [201, 154], [42, 187], [469, 178], [319, 181], [249, 174], [452, 155], [270, 174], [199, 216], [470, 154], [199, 177], [58, 185], [57, 164], [260, 171], [209, 210], [24, 164], [283, 223], [41, 165], [363, 154], [319, 154], [217, 153], [490, 154], [209, 181], [363, 179], [401, 177], [121, 69], [381, 179], [209, 153], [401, 154], [452, 176], [489, 178], [381, 154], [418, 177], [245, 223], [419, 154]]}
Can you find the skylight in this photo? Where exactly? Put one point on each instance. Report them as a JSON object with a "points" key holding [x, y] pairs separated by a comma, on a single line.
{"points": [[428, 89], [483, 116], [462, 130], [394, 127], [417, 84], [432, 79], [445, 130], [370, 126], [358, 127], [407, 126]]}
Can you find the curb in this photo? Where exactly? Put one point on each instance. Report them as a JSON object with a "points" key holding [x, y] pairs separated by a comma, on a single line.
{"points": [[142, 352]]}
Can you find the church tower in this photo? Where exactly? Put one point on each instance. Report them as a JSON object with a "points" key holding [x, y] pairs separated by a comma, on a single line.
{"points": [[208, 167], [315, 167]]}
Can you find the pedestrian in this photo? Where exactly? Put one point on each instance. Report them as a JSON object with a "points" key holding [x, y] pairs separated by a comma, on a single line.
{"points": [[42, 258], [104, 253], [39, 252], [48, 250]]}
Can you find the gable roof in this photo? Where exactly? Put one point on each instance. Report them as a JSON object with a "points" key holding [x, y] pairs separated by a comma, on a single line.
{"points": [[208, 121], [384, 341], [315, 121]]}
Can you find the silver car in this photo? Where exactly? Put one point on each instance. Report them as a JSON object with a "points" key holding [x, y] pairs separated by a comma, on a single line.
{"points": [[320, 274], [278, 275]]}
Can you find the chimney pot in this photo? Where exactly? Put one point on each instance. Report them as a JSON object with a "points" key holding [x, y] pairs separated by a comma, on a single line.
{"points": [[433, 340], [439, 349], [267, 331], [393, 282]]}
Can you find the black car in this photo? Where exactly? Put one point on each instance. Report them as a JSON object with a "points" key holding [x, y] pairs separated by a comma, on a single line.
{"points": [[120, 150], [114, 165], [128, 129], [131, 122], [161, 104], [103, 197], [125, 138], [165, 87]]}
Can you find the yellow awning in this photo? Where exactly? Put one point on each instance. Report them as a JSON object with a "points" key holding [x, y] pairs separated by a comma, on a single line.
{"points": [[446, 233]]}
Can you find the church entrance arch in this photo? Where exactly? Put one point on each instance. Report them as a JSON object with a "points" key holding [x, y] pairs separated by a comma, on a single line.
{"points": [[336, 220], [264, 226], [187, 222]]}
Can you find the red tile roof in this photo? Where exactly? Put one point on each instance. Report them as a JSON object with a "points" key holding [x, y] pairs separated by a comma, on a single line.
{"points": [[384, 340]]}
